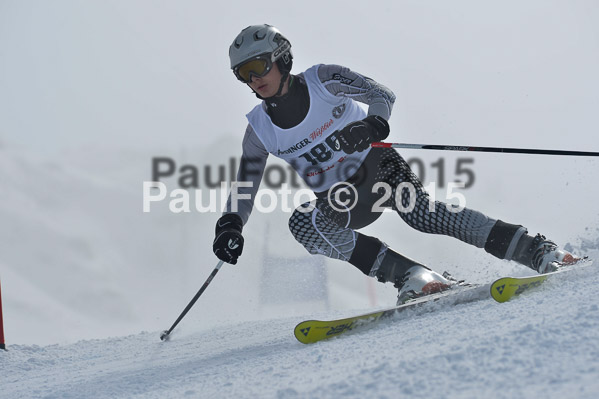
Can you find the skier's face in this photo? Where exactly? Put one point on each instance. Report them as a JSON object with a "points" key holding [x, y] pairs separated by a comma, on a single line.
{"points": [[268, 85]]}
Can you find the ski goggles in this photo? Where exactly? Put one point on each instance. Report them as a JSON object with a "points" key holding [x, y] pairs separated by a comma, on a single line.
{"points": [[257, 67]]}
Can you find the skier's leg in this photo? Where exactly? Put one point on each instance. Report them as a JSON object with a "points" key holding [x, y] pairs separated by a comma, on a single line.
{"points": [[419, 213], [321, 231], [500, 239], [327, 227]]}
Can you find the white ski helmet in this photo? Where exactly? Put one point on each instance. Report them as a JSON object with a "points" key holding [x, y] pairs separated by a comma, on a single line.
{"points": [[264, 45]]}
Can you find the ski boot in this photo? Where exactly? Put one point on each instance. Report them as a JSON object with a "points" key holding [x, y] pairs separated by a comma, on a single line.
{"points": [[412, 279], [548, 257], [420, 281]]}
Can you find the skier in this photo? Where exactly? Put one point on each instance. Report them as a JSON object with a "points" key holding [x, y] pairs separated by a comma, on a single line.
{"points": [[312, 121]]}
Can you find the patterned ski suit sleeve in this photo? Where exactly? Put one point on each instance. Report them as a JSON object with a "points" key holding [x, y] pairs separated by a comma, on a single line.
{"points": [[251, 169], [341, 81]]}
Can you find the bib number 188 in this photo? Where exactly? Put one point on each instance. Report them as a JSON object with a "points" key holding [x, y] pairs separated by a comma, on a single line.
{"points": [[322, 152]]}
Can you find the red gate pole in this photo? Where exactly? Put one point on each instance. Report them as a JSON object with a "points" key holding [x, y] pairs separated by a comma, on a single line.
{"points": [[2, 343]]}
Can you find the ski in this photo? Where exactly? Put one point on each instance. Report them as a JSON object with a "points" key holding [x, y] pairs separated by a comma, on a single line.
{"points": [[502, 290], [311, 331], [506, 288]]}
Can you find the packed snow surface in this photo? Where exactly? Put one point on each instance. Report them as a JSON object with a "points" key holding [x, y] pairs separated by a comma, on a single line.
{"points": [[542, 344]]}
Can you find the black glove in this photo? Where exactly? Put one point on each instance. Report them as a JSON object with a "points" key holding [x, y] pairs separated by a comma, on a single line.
{"points": [[358, 135], [228, 244]]}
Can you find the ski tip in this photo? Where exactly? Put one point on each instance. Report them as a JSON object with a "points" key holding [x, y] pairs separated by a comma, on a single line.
{"points": [[498, 290], [302, 331]]}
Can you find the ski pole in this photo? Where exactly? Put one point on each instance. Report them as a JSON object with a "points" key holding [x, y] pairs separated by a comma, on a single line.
{"points": [[484, 149], [2, 343], [165, 334]]}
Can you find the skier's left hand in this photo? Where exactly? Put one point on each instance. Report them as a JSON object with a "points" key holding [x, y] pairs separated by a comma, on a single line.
{"points": [[358, 135], [228, 243]]}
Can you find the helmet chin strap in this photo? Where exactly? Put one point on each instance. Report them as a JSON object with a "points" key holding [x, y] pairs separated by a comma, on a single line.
{"points": [[278, 93]]}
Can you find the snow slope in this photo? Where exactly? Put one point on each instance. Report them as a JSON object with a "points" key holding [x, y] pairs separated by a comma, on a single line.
{"points": [[543, 344]]}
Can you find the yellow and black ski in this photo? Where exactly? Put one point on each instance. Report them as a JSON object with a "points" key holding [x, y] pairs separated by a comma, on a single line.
{"points": [[501, 290], [311, 331], [506, 288]]}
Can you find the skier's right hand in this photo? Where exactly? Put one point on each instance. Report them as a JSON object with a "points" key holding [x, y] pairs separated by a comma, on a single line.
{"points": [[228, 244], [358, 135]]}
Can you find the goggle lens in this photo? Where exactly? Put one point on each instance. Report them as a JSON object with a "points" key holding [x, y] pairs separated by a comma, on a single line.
{"points": [[258, 67]]}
